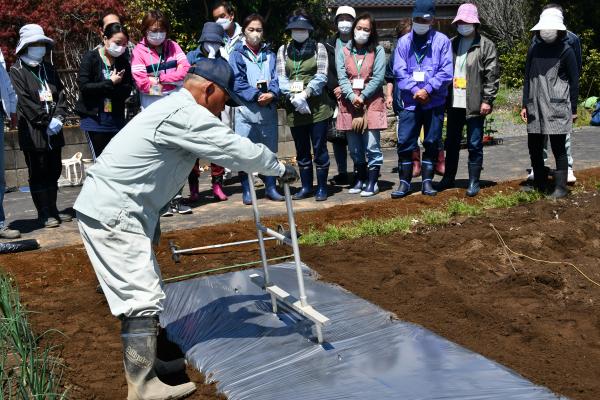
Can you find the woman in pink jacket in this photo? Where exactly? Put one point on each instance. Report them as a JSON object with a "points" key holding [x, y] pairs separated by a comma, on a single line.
{"points": [[158, 64]]}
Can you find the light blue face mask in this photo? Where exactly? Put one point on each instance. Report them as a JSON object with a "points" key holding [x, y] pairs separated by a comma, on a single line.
{"points": [[421, 29], [156, 38]]}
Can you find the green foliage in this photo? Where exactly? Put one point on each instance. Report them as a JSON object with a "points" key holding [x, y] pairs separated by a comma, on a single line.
{"points": [[589, 82], [435, 217], [512, 64], [460, 207], [501, 200]]}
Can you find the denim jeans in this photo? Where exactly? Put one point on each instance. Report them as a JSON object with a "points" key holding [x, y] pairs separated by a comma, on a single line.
{"points": [[410, 123], [340, 153], [365, 145], [456, 122], [304, 136], [2, 179], [259, 133]]}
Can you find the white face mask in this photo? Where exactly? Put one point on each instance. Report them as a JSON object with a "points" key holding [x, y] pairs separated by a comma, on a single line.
{"points": [[212, 49], [156, 38], [361, 37], [115, 50], [224, 22], [34, 55], [344, 27], [421, 29], [254, 38], [300, 35], [466, 29], [548, 35]]}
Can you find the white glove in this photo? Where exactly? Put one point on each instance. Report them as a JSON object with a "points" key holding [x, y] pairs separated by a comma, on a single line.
{"points": [[300, 104], [54, 127]]}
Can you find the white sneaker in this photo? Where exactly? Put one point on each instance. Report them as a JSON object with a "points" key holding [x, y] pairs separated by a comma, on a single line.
{"points": [[571, 176], [530, 176], [167, 213], [181, 209]]}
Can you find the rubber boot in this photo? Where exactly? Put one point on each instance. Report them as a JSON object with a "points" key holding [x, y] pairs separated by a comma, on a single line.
{"points": [[164, 368], [41, 204], [449, 179], [361, 179], [321, 194], [61, 217], [217, 188], [560, 184], [306, 177], [372, 188], [139, 358], [540, 181], [440, 165], [405, 172], [427, 171], [474, 175], [246, 196], [271, 189], [416, 160], [194, 192]]}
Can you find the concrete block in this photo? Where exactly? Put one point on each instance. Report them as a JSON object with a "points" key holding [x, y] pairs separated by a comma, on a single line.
{"points": [[286, 150], [284, 133], [69, 150], [11, 178], [11, 140], [14, 159], [74, 135], [22, 177]]}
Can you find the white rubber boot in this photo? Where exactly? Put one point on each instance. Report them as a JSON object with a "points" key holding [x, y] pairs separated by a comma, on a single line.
{"points": [[139, 358]]}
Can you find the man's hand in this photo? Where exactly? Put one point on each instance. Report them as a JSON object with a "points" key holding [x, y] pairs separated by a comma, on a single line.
{"points": [[290, 175], [422, 96], [358, 102], [13, 121], [265, 99], [524, 115], [485, 109], [389, 102], [338, 93]]}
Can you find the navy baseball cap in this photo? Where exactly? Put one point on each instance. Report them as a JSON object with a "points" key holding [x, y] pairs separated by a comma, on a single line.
{"points": [[212, 33], [424, 9], [218, 71], [299, 22]]}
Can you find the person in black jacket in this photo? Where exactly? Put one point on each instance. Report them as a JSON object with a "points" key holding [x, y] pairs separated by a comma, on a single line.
{"points": [[105, 82], [41, 112], [344, 17]]}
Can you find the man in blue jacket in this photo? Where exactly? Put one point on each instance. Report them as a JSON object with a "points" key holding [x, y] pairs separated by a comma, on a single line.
{"points": [[423, 70]]}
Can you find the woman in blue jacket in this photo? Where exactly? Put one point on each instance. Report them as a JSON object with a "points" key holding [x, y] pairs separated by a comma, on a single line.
{"points": [[256, 83]]}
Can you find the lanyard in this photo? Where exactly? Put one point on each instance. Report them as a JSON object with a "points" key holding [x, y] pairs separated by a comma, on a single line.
{"points": [[297, 64], [417, 58], [257, 59], [107, 66], [43, 82], [362, 61], [157, 69]]}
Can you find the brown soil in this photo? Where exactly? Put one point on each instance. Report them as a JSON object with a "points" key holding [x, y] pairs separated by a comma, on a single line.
{"points": [[541, 320]]}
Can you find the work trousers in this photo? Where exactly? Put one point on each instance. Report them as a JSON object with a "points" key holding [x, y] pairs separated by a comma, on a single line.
{"points": [[304, 136], [44, 168], [410, 123], [535, 143]]}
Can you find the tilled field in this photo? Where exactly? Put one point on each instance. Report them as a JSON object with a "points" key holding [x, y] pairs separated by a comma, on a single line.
{"points": [[457, 280]]}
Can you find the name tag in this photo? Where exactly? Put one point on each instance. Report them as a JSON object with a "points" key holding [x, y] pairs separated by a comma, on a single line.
{"points": [[107, 105], [419, 76], [296, 86], [358, 83], [460, 83], [155, 90], [45, 95]]}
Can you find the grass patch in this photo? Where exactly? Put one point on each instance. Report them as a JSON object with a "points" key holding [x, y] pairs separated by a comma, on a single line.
{"points": [[502, 200], [435, 217], [597, 185], [27, 370], [460, 208]]}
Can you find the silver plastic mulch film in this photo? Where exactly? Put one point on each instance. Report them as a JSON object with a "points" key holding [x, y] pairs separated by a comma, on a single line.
{"points": [[225, 326]]}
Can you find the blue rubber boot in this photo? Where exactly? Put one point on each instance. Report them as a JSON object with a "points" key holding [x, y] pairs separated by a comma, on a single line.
{"points": [[372, 189], [360, 179], [271, 189], [405, 172], [427, 171], [474, 175], [306, 177], [246, 196], [321, 194]]}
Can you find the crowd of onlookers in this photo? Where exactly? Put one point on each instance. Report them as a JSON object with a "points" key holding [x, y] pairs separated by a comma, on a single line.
{"points": [[337, 90]]}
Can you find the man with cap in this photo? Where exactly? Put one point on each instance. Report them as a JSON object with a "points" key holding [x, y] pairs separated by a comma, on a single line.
{"points": [[423, 71], [344, 18], [210, 45], [475, 86], [120, 204], [550, 94], [575, 43], [41, 112]]}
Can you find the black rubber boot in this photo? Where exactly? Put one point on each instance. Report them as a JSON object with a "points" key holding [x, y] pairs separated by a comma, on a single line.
{"points": [[405, 172], [321, 194], [139, 358], [560, 185], [360, 179], [306, 177], [474, 175], [427, 171], [448, 180], [373, 176], [52, 197], [540, 181], [45, 218]]}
